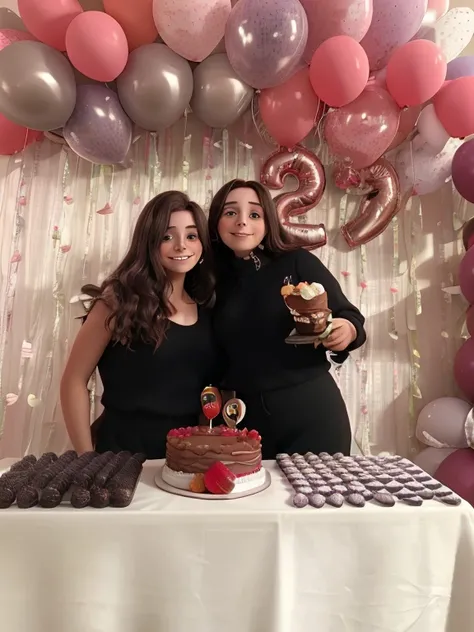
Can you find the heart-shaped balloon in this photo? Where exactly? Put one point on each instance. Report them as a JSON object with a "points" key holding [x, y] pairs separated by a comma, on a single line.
{"points": [[362, 131], [234, 412]]}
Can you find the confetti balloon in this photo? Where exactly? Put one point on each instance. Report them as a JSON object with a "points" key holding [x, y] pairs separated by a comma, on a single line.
{"points": [[192, 28], [363, 130], [422, 169], [453, 32], [10, 36], [337, 17], [99, 130], [394, 23], [265, 42]]}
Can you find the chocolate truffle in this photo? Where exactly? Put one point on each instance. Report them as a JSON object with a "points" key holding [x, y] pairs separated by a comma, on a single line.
{"points": [[317, 500], [384, 498], [335, 500], [357, 500], [80, 498], [300, 500]]}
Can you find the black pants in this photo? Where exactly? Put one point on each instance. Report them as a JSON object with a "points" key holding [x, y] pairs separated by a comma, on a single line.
{"points": [[122, 432], [309, 417]]}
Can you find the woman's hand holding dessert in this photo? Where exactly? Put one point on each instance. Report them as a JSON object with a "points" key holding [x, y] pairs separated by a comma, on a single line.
{"points": [[342, 334]]}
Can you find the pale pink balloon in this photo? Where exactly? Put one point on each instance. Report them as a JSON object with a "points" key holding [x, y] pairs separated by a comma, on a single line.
{"points": [[335, 17], [97, 46], [408, 119], [48, 20], [361, 132], [10, 36], [431, 130], [394, 23], [191, 28], [422, 169]]}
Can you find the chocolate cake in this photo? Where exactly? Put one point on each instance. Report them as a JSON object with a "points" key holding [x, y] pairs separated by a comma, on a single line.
{"points": [[193, 451], [308, 304]]}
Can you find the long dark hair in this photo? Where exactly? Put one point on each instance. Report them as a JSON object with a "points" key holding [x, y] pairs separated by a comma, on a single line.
{"points": [[136, 292], [276, 241]]}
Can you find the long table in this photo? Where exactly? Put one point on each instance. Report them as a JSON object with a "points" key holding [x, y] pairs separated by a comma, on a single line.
{"points": [[174, 564]]}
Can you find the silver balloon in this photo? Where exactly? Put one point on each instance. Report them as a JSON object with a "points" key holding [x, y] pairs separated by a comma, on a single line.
{"points": [[10, 20], [37, 86], [156, 86], [220, 97]]}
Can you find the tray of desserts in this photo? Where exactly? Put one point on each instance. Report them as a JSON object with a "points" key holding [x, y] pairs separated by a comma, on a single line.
{"points": [[320, 480], [90, 480]]}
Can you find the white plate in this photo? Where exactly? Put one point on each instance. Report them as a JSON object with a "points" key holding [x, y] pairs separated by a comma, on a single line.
{"points": [[189, 494]]}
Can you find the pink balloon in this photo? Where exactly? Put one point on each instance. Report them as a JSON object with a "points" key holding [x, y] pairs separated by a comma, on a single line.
{"points": [[394, 23], [408, 119], [14, 138], [97, 46], [470, 320], [378, 206], [10, 36], [339, 71], [362, 131], [290, 110], [308, 170], [457, 473], [192, 28], [430, 459], [337, 17], [415, 72], [48, 20], [454, 105], [464, 368]]}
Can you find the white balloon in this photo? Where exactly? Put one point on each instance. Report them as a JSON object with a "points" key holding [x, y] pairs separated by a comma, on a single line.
{"points": [[431, 130], [421, 169], [452, 33]]}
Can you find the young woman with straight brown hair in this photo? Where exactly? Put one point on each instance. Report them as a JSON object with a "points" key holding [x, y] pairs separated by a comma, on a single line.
{"points": [[291, 397]]}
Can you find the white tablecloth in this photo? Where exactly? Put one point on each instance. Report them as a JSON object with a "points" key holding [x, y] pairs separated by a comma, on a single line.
{"points": [[173, 564]]}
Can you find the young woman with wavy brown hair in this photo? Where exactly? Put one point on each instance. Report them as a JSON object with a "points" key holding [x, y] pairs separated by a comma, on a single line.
{"points": [[291, 397], [149, 333]]}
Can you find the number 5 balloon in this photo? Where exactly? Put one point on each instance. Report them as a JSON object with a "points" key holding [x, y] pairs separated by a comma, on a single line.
{"points": [[380, 204], [308, 170]]}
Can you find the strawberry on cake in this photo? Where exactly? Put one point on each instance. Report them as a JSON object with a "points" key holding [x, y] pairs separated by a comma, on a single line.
{"points": [[219, 460]]}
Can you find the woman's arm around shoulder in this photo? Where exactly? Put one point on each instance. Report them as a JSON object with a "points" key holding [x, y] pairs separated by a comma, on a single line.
{"points": [[90, 343], [309, 268]]}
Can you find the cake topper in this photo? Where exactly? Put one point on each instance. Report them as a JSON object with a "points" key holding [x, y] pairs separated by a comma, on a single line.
{"points": [[211, 403], [234, 412]]}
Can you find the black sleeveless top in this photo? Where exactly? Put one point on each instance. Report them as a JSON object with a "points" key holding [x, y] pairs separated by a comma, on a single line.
{"points": [[142, 382]]}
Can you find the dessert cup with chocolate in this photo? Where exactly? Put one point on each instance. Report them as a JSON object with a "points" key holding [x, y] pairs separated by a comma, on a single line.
{"points": [[308, 304]]}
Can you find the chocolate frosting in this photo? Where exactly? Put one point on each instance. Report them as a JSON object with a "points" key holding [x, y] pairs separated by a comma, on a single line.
{"points": [[194, 454]]}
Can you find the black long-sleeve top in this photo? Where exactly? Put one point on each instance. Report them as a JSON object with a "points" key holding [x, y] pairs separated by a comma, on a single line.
{"points": [[251, 322]]}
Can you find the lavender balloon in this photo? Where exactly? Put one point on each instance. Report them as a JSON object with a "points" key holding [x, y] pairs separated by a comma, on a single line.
{"points": [[99, 130], [394, 22], [265, 40], [460, 67]]}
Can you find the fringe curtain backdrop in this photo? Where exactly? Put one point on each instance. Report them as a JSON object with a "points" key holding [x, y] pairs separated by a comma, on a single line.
{"points": [[65, 222]]}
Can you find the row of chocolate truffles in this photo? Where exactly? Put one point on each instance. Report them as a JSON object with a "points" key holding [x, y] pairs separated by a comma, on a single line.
{"points": [[91, 479]]}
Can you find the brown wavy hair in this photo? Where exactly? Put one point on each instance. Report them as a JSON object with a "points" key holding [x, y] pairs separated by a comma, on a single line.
{"points": [[136, 292], [276, 241]]}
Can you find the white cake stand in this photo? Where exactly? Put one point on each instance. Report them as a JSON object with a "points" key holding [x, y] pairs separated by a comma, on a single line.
{"points": [[189, 494]]}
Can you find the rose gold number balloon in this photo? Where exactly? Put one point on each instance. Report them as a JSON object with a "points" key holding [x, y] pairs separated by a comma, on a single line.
{"points": [[308, 170], [379, 205]]}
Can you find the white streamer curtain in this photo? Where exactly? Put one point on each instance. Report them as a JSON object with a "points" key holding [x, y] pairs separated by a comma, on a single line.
{"points": [[65, 222]]}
